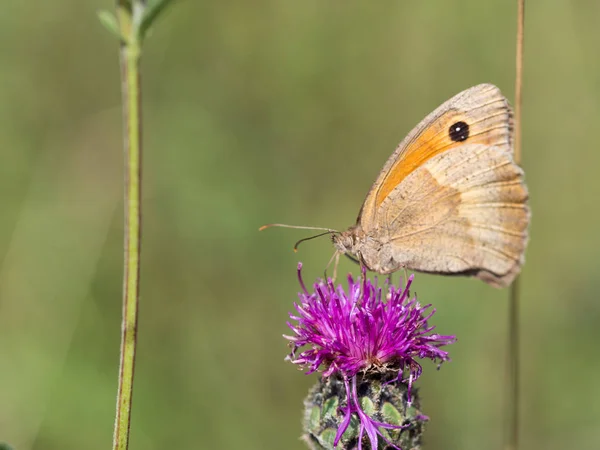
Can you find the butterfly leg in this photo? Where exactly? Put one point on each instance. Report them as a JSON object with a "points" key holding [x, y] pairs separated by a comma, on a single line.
{"points": [[354, 260], [335, 265], [336, 257]]}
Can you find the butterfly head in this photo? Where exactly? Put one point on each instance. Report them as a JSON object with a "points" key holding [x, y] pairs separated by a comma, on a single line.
{"points": [[348, 241]]}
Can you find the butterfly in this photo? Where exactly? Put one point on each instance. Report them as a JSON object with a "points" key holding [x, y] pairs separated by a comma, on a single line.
{"points": [[450, 200]]}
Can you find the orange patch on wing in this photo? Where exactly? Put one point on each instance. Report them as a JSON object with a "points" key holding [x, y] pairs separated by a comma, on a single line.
{"points": [[431, 142]]}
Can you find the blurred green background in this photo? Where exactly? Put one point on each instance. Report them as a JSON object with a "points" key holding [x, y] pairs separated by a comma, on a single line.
{"points": [[270, 111]]}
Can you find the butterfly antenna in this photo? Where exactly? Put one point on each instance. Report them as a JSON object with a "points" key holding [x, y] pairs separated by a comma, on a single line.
{"points": [[312, 237], [299, 227]]}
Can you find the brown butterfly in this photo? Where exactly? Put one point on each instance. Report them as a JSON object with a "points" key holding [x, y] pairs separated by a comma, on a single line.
{"points": [[450, 200]]}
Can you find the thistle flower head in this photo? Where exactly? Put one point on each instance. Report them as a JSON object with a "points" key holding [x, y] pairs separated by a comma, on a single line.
{"points": [[346, 331], [359, 330]]}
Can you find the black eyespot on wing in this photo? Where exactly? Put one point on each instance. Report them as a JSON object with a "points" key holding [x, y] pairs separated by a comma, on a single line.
{"points": [[459, 131]]}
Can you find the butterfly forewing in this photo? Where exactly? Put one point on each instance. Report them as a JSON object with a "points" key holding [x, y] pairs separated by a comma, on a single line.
{"points": [[450, 199], [479, 115]]}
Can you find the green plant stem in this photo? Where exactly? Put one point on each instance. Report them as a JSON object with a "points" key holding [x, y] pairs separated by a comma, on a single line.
{"points": [[130, 58], [513, 385], [512, 438]]}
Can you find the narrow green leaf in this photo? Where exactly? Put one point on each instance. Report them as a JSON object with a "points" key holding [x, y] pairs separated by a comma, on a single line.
{"points": [[110, 23], [5, 446], [153, 10]]}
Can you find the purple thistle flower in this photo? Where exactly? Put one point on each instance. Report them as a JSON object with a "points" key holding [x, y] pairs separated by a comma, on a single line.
{"points": [[354, 331]]}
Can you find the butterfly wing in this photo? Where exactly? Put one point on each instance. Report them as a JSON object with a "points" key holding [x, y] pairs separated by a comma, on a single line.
{"points": [[479, 115], [450, 199]]}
